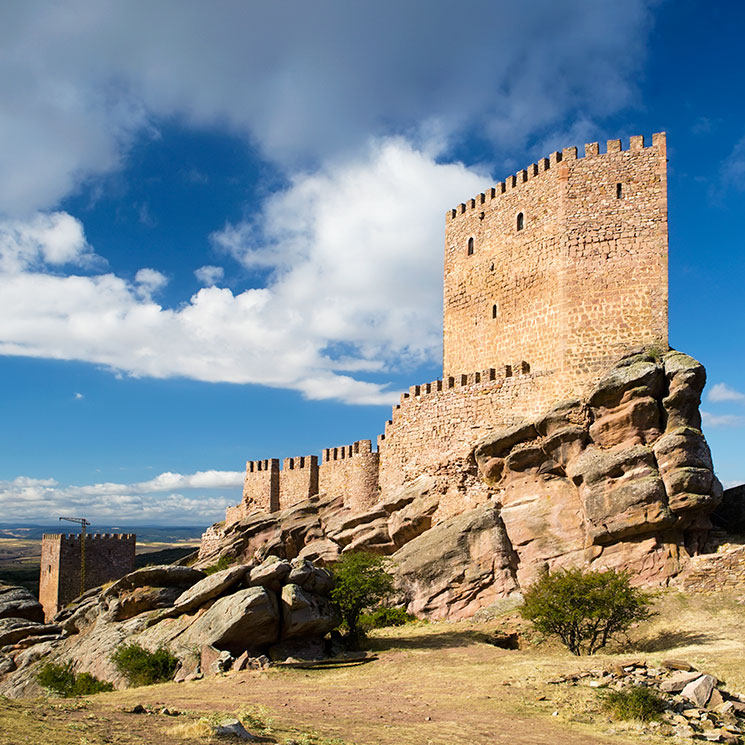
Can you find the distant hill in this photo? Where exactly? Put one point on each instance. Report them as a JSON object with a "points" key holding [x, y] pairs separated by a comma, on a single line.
{"points": [[145, 533]]}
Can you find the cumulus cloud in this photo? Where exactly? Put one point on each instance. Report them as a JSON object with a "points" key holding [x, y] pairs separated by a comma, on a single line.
{"points": [[209, 275], [722, 392], [303, 81], [26, 498], [355, 252], [721, 421], [53, 239]]}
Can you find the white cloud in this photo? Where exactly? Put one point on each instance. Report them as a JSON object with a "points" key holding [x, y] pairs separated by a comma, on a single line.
{"points": [[717, 421], [355, 250], [722, 392], [26, 498], [81, 80], [733, 483], [54, 239], [209, 275], [149, 281], [79, 396]]}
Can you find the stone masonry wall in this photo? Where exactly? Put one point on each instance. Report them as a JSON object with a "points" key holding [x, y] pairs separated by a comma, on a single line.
{"points": [[351, 470], [107, 557], [711, 573], [437, 424], [580, 283], [261, 486], [298, 480]]}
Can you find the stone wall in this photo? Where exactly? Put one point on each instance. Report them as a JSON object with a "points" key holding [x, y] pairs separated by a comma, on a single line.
{"points": [[436, 426], [298, 479], [351, 471], [712, 573], [107, 557], [261, 486], [579, 282]]}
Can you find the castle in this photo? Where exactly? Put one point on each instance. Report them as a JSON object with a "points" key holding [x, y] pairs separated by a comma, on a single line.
{"points": [[107, 556], [549, 278]]}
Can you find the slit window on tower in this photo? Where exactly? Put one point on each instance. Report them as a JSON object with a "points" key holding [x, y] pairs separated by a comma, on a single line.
{"points": [[619, 191], [520, 220], [470, 246], [494, 311]]}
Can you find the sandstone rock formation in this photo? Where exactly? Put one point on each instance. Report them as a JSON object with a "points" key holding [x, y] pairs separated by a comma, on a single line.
{"points": [[620, 478], [207, 621]]}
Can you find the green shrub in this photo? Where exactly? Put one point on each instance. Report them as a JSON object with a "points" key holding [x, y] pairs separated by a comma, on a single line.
{"points": [[384, 616], [143, 668], [636, 702], [360, 581], [585, 609], [64, 682]]}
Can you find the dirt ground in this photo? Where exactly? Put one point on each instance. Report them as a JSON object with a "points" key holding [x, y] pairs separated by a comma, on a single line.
{"points": [[432, 684]]}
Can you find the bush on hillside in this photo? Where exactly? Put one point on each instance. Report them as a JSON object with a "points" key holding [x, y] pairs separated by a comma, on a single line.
{"points": [[360, 581], [61, 680], [585, 609], [636, 702], [142, 667], [384, 616]]}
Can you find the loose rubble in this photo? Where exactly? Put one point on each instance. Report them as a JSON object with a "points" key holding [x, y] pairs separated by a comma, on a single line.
{"points": [[697, 704]]}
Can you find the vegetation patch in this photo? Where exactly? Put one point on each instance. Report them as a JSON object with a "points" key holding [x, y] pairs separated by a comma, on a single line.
{"points": [[142, 667], [384, 616], [222, 563], [62, 680], [637, 702]]}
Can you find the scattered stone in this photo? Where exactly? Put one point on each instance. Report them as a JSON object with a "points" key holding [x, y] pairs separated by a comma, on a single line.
{"points": [[699, 690], [677, 665], [231, 727], [678, 682], [136, 709]]}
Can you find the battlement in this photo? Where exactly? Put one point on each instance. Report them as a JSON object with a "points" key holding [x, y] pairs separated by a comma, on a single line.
{"points": [[132, 537], [255, 466], [347, 451], [592, 150]]}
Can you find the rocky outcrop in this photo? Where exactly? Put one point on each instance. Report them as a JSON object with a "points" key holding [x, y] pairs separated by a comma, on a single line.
{"points": [[619, 478], [239, 613], [18, 602], [623, 478]]}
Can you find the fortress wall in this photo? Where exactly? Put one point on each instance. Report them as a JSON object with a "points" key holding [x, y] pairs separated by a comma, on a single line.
{"points": [[261, 486], [298, 480], [351, 470], [516, 271], [582, 282], [108, 556], [441, 422], [615, 274]]}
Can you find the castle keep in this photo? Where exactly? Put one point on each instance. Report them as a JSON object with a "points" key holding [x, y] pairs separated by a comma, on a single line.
{"points": [[107, 557], [549, 277]]}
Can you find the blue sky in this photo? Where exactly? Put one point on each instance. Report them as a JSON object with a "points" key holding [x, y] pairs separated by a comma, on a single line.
{"points": [[221, 224]]}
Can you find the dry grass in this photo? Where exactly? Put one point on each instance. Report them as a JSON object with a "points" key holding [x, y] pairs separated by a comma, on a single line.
{"points": [[433, 684]]}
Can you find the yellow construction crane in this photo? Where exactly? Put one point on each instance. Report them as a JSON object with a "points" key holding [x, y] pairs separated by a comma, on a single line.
{"points": [[83, 524]]}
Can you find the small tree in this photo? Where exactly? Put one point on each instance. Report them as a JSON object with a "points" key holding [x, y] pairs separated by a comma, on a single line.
{"points": [[360, 581], [585, 609]]}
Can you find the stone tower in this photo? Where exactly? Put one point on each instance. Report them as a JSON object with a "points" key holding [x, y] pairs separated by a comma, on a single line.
{"points": [[563, 264], [107, 557]]}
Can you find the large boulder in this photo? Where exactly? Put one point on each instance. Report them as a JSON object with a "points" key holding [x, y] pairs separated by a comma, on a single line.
{"points": [[458, 566], [305, 614], [168, 575], [208, 588], [247, 619], [18, 602]]}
